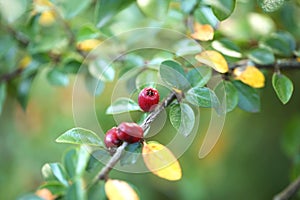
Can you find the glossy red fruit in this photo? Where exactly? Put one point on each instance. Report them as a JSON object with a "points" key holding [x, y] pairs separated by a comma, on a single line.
{"points": [[130, 132], [111, 138], [148, 99]]}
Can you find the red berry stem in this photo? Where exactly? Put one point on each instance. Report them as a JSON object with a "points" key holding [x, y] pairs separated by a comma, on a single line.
{"points": [[103, 174]]}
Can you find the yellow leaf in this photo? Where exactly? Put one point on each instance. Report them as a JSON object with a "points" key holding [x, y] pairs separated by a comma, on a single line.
{"points": [[250, 75], [160, 161], [298, 59], [24, 62], [213, 59], [88, 45], [119, 190], [203, 32], [47, 18]]}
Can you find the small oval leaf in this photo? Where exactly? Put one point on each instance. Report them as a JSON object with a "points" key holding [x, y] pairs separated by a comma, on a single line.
{"points": [[227, 48], [283, 87], [182, 117], [80, 136], [262, 56], [119, 190], [249, 99], [250, 75], [172, 74], [160, 161], [202, 97], [213, 59]]}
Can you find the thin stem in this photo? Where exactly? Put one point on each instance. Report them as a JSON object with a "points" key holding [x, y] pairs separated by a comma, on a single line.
{"points": [[20, 37], [289, 191], [103, 174], [282, 64], [9, 76]]}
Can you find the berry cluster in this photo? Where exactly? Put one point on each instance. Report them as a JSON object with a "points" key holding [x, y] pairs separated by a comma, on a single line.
{"points": [[128, 131]]}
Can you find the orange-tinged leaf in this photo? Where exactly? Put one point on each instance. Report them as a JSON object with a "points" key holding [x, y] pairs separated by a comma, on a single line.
{"points": [[203, 32], [213, 59], [250, 75], [45, 194], [160, 161], [119, 190], [47, 18], [298, 59], [88, 45]]}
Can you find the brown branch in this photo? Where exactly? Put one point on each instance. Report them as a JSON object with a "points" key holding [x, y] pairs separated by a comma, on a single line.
{"points": [[289, 191], [9, 76], [284, 64], [102, 175], [20, 37]]}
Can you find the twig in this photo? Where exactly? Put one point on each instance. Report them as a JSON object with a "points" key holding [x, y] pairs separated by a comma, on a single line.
{"points": [[145, 125], [280, 64], [289, 191], [20, 37], [7, 77]]}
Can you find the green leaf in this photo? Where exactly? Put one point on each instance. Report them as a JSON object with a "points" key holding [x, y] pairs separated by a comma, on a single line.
{"points": [[76, 191], [147, 78], [95, 159], [283, 87], [55, 187], [93, 85], [153, 8], [87, 31], [205, 15], [199, 76], [222, 8], [249, 99], [122, 105], [182, 118], [55, 171], [97, 191], [71, 8], [131, 154], [57, 77], [280, 43], [227, 47], [23, 91], [107, 9], [80, 136], [226, 89], [69, 162], [83, 156], [2, 95], [270, 5], [202, 97], [172, 74], [101, 70], [262, 56]]}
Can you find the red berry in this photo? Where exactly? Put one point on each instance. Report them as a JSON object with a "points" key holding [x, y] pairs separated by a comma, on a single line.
{"points": [[111, 139], [148, 99], [130, 132]]}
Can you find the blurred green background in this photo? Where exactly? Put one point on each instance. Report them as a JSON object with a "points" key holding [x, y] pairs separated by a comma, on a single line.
{"points": [[248, 162]]}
